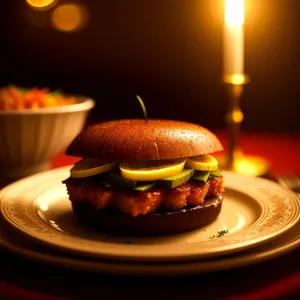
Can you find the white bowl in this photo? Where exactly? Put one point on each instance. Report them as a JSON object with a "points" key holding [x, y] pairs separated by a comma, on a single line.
{"points": [[30, 138]]}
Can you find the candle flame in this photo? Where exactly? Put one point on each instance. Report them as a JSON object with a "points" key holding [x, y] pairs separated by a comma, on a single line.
{"points": [[234, 12]]}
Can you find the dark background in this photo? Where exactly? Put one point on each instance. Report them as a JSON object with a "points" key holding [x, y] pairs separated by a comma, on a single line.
{"points": [[167, 51]]}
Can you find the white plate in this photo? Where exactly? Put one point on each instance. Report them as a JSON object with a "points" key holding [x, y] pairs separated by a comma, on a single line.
{"points": [[254, 211], [17, 244]]}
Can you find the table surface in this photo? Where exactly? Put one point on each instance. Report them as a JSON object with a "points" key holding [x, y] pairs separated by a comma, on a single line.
{"points": [[278, 278]]}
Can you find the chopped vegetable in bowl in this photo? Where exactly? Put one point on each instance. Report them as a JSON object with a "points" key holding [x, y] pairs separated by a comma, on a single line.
{"points": [[16, 98]]}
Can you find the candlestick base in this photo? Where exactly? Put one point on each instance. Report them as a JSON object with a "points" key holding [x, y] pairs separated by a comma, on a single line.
{"points": [[245, 164], [235, 160]]}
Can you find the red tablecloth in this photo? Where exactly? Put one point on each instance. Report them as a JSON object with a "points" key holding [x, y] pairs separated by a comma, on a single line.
{"points": [[276, 279]]}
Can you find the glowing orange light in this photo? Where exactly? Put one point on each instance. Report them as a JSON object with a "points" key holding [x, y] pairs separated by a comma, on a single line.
{"points": [[234, 12], [41, 4], [237, 79], [69, 17]]}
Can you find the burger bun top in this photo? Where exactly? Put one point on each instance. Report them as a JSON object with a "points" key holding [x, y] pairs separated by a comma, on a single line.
{"points": [[136, 140]]}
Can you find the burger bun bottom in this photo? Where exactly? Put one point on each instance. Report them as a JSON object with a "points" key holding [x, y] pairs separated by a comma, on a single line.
{"points": [[158, 223]]}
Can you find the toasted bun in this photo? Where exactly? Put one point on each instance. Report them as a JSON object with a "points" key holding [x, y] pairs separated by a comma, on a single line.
{"points": [[136, 140], [150, 224]]}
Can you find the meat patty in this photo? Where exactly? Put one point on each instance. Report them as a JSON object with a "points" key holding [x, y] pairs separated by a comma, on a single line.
{"points": [[191, 193]]}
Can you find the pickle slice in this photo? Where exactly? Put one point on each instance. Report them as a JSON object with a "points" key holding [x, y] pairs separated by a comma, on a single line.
{"points": [[216, 173], [204, 162], [178, 179], [145, 186], [201, 175], [121, 181], [151, 171], [89, 167]]}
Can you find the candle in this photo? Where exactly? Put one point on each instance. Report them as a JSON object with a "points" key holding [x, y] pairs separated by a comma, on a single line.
{"points": [[234, 37]]}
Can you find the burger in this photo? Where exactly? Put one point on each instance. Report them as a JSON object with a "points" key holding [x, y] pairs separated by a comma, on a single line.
{"points": [[145, 178]]}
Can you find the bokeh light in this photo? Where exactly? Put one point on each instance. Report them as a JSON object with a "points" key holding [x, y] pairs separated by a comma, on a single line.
{"points": [[41, 4], [69, 17]]}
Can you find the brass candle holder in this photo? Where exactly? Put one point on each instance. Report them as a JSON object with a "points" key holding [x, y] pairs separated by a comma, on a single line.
{"points": [[235, 160]]}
